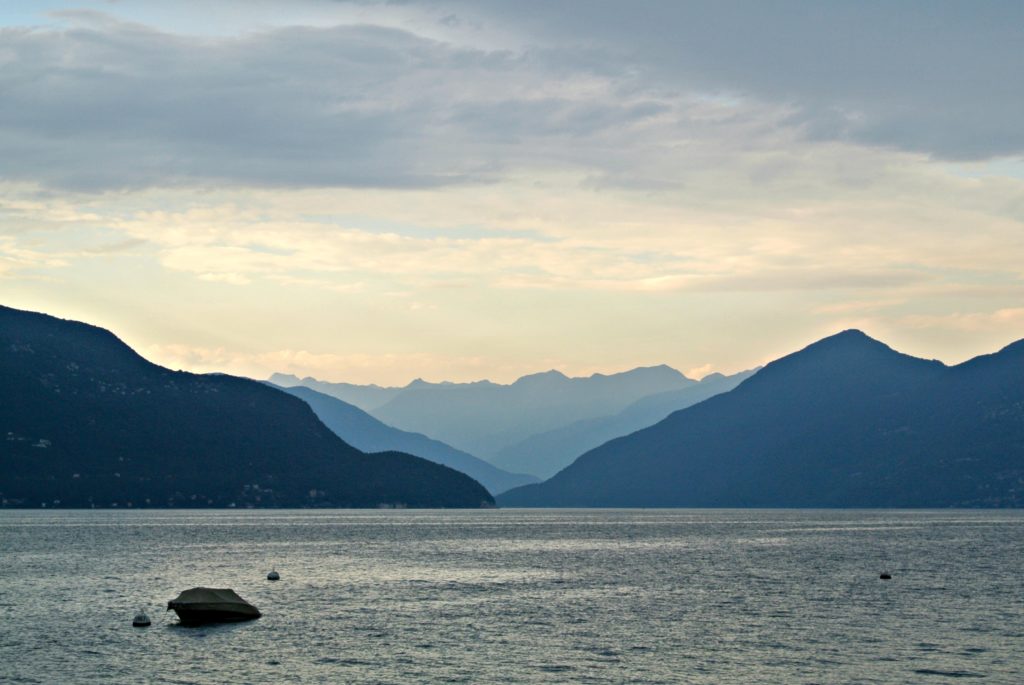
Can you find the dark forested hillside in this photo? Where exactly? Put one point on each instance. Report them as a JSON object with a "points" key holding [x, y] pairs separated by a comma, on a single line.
{"points": [[845, 422], [85, 421]]}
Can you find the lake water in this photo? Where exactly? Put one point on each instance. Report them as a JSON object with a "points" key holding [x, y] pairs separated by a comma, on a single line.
{"points": [[518, 596]]}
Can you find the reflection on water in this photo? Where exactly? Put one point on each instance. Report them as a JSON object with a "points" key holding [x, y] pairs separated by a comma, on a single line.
{"points": [[590, 596]]}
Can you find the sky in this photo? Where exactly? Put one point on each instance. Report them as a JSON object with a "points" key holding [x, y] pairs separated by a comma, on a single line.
{"points": [[374, 192]]}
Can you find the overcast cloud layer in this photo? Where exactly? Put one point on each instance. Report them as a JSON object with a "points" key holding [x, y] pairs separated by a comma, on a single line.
{"points": [[364, 105], [690, 169]]}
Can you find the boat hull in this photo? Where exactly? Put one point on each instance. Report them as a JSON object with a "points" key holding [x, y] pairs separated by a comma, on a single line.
{"points": [[199, 615], [212, 605]]}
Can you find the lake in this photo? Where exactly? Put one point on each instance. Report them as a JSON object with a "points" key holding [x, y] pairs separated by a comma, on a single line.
{"points": [[517, 596]]}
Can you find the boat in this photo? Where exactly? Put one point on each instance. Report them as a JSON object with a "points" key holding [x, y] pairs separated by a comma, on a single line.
{"points": [[211, 605]]}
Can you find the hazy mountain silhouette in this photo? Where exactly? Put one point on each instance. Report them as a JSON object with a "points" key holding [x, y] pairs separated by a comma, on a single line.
{"points": [[359, 429], [545, 454], [84, 421], [845, 422], [365, 397], [482, 418]]}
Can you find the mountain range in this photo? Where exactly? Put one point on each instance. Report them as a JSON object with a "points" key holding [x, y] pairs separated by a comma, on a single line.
{"points": [[547, 453], [365, 397], [845, 422], [362, 431], [483, 417], [85, 421]]}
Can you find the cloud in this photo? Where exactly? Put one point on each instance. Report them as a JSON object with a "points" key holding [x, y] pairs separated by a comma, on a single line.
{"points": [[232, 245], [114, 105], [930, 77], [16, 260], [1006, 319], [629, 96], [858, 306], [606, 177], [902, 230], [699, 372]]}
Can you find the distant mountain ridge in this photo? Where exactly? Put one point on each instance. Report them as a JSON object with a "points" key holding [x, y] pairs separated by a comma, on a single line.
{"points": [[545, 454], [483, 417], [85, 421], [366, 397], [847, 421], [362, 431]]}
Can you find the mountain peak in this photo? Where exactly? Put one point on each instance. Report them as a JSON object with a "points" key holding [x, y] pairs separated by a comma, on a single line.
{"points": [[1006, 362], [848, 341], [1016, 347], [662, 372], [844, 357], [550, 375], [850, 336]]}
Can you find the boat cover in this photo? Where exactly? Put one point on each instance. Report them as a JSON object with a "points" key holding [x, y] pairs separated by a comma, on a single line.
{"points": [[213, 599]]}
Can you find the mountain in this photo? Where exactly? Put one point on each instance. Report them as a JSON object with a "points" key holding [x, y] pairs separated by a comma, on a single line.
{"points": [[366, 397], [482, 418], [86, 421], [359, 429], [844, 422], [649, 410], [547, 453]]}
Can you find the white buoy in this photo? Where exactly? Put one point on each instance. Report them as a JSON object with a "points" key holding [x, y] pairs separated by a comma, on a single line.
{"points": [[273, 575], [141, 620]]}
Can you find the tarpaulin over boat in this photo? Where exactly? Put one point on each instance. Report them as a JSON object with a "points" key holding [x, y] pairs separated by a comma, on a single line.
{"points": [[206, 605]]}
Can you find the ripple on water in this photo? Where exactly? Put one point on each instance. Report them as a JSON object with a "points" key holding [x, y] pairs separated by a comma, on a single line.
{"points": [[948, 674], [517, 596]]}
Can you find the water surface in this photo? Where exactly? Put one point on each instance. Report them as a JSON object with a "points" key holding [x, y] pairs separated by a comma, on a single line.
{"points": [[518, 596]]}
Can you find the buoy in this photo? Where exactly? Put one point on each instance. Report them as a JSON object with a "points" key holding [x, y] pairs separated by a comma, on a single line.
{"points": [[273, 575], [885, 576], [141, 620]]}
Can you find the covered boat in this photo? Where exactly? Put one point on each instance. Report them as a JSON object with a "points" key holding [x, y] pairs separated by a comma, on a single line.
{"points": [[211, 605]]}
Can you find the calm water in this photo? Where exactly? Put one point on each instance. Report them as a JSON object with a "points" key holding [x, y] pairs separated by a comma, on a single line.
{"points": [[641, 596]]}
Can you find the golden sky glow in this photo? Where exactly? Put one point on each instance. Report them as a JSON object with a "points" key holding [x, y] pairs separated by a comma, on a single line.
{"points": [[374, 193]]}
